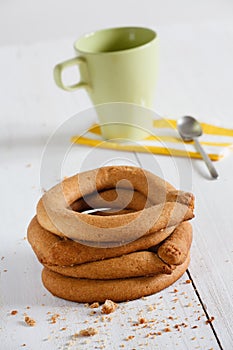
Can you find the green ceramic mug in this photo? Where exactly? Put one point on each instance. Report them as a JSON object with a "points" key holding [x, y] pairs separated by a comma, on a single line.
{"points": [[117, 65]]}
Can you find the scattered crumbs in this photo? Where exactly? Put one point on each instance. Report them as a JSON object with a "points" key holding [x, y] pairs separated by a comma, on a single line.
{"points": [[108, 307], [94, 305], [130, 337], [30, 322], [88, 332], [188, 281], [210, 320], [14, 312]]}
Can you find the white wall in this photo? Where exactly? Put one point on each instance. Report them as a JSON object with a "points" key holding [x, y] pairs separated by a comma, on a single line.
{"points": [[27, 21]]}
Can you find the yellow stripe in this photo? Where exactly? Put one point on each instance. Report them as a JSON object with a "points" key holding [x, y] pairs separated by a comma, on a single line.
{"points": [[135, 148], [179, 140], [95, 129]]}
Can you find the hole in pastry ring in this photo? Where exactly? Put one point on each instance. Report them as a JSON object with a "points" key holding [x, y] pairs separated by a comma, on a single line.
{"points": [[55, 214]]}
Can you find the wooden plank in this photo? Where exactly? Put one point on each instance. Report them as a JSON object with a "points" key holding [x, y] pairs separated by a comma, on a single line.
{"points": [[211, 264]]}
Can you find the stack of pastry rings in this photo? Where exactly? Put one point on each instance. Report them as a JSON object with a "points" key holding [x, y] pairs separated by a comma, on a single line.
{"points": [[117, 232]]}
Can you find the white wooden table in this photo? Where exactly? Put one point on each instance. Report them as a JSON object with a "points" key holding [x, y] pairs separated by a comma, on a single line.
{"points": [[194, 79]]}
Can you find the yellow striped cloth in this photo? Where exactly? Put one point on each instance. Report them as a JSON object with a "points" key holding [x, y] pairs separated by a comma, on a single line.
{"points": [[217, 141]]}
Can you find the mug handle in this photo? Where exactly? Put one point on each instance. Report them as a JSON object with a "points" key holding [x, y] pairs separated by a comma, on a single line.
{"points": [[58, 69]]}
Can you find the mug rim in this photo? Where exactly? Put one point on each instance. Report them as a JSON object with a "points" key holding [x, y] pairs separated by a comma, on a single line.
{"points": [[122, 51]]}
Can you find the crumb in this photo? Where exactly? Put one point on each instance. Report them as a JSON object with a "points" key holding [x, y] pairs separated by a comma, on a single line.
{"points": [[94, 305], [210, 320], [30, 322], [167, 329], [88, 332], [86, 305], [170, 318], [159, 333], [23, 344], [28, 307], [63, 329], [54, 318], [175, 290], [188, 281], [3, 257], [189, 305], [130, 337], [150, 308], [194, 338], [92, 313], [14, 312], [194, 327], [142, 320], [108, 307], [28, 165], [5, 270]]}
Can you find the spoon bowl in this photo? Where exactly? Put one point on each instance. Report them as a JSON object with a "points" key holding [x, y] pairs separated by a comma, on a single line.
{"points": [[190, 129]]}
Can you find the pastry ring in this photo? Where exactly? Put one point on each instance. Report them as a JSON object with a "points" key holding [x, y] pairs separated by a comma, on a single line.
{"points": [[163, 206]]}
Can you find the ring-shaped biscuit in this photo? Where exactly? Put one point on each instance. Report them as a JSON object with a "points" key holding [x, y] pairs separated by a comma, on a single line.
{"points": [[55, 214], [88, 291]]}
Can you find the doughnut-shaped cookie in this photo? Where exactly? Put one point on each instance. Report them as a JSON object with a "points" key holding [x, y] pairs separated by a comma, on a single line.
{"points": [[88, 291], [57, 251], [54, 211], [136, 264]]}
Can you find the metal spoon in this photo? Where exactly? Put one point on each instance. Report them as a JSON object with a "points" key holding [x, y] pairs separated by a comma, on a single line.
{"points": [[190, 129]]}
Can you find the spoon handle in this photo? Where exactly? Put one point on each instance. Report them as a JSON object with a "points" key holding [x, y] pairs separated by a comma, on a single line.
{"points": [[207, 160]]}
